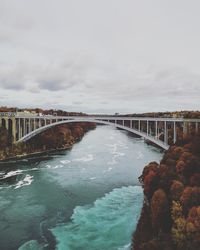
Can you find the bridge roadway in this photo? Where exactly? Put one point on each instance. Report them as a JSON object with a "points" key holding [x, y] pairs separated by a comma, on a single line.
{"points": [[24, 127]]}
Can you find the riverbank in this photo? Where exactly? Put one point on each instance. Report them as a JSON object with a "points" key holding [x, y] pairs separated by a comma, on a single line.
{"points": [[56, 139], [170, 217], [35, 154]]}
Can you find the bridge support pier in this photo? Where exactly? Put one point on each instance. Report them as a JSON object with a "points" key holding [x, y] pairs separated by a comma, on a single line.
{"points": [[40, 123], [14, 130], [29, 125], [34, 124], [19, 130], [147, 127], [185, 128], [165, 132], [24, 127], [156, 130], [174, 137], [6, 122]]}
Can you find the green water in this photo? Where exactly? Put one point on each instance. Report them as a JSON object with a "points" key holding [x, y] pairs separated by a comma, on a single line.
{"points": [[85, 198]]}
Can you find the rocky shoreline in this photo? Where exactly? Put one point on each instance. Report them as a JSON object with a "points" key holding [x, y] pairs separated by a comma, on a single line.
{"points": [[170, 217]]}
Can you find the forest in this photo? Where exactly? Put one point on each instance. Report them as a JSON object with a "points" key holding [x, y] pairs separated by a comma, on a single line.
{"points": [[170, 217]]}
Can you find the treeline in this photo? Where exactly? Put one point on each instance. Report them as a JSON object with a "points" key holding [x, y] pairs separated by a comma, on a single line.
{"points": [[57, 112], [176, 114]]}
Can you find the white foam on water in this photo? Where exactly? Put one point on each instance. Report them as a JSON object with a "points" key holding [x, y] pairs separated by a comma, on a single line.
{"points": [[114, 158], [122, 144], [139, 155], [108, 223], [4, 175], [113, 148], [113, 161], [126, 247], [31, 245], [65, 161], [87, 158], [58, 166], [120, 154], [32, 169], [92, 178], [28, 179], [17, 172], [114, 151], [107, 170], [12, 173], [53, 167]]}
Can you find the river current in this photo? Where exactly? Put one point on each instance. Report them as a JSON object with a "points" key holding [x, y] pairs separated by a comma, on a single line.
{"points": [[86, 198]]}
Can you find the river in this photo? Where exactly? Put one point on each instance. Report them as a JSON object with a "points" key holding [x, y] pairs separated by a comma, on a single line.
{"points": [[86, 198]]}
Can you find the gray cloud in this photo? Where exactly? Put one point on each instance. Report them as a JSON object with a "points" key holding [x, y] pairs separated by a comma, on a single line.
{"points": [[102, 55], [101, 87]]}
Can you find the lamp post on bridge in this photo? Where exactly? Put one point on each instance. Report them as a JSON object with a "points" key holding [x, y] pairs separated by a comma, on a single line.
{"points": [[165, 132]]}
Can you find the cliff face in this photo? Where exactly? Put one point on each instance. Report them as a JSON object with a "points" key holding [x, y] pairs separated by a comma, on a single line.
{"points": [[170, 218], [59, 137]]}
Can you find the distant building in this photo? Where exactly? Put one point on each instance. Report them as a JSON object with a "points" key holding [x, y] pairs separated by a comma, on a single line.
{"points": [[26, 113]]}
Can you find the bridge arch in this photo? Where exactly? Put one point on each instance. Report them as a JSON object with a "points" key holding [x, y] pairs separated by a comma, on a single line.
{"points": [[98, 121]]}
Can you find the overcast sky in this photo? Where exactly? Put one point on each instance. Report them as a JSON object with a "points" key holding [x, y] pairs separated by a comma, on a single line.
{"points": [[100, 56]]}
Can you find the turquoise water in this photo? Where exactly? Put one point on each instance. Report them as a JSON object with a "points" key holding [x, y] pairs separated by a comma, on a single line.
{"points": [[106, 224], [84, 198]]}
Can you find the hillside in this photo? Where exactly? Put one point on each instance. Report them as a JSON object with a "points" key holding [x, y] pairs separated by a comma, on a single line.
{"points": [[59, 137]]}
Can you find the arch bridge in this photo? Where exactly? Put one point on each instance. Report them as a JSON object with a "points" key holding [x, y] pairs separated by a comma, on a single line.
{"points": [[160, 131]]}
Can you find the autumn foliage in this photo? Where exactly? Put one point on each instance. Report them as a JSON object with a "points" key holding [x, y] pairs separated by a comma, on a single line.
{"points": [[172, 200], [58, 137]]}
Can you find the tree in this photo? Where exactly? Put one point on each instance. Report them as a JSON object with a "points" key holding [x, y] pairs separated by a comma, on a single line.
{"points": [[4, 138], [160, 211]]}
